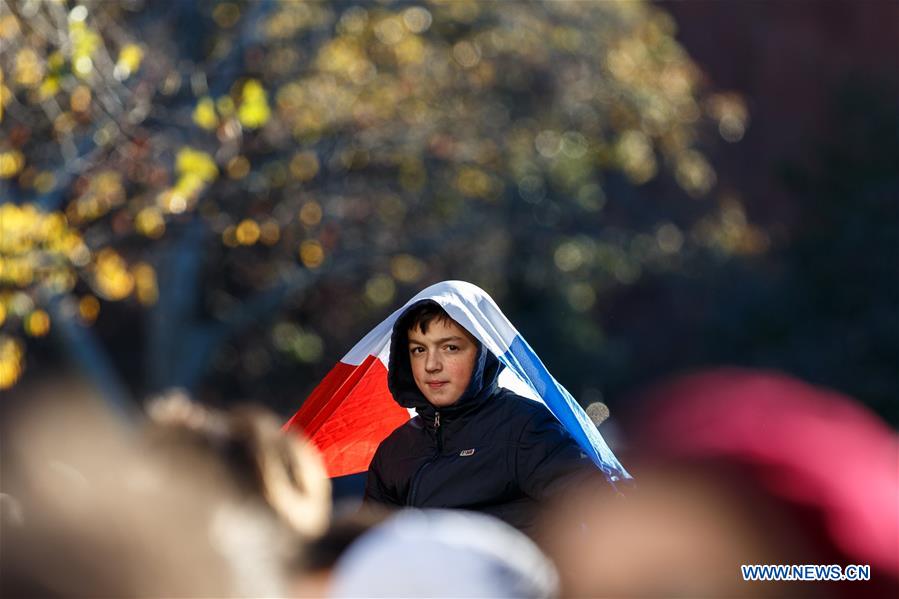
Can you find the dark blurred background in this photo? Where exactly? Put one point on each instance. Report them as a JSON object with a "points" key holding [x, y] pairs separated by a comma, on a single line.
{"points": [[226, 196]]}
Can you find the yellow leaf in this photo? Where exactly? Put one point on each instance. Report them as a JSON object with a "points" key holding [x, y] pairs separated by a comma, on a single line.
{"points": [[189, 185], [5, 94], [149, 222], [254, 115], [130, 57], [247, 232], [84, 40], [56, 61], [11, 163], [196, 162], [254, 110], [253, 91], [145, 279], [37, 324], [111, 277], [88, 308], [29, 71], [9, 27], [49, 88], [312, 254], [204, 114], [11, 363]]}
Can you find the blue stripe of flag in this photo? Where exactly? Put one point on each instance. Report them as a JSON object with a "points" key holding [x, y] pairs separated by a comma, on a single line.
{"points": [[522, 360]]}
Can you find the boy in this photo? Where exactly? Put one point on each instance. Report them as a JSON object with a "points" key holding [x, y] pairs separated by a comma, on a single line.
{"points": [[473, 445]]}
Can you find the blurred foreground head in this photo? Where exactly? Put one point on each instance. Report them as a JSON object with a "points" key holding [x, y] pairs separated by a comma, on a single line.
{"points": [[444, 553], [246, 449], [738, 467], [196, 502]]}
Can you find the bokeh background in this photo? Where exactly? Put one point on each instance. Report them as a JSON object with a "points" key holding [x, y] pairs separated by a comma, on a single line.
{"points": [[224, 196]]}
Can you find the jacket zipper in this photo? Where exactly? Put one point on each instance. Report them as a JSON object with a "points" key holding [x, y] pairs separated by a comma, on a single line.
{"points": [[439, 432], [417, 478]]}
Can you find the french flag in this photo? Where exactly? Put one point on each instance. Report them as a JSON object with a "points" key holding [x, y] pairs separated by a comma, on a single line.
{"points": [[351, 411]]}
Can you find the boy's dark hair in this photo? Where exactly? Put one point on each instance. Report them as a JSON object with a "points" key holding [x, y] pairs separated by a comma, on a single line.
{"points": [[421, 316]]}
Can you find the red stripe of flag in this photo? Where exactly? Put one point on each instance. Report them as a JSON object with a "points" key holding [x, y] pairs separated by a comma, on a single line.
{"points": [[348, 414]]}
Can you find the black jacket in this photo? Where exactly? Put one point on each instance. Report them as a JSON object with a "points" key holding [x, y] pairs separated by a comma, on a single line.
{"points": [[492, 451]]}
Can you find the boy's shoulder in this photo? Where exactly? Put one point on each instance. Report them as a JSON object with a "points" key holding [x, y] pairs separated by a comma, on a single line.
{"points": [[402, 436], [521, 408]]}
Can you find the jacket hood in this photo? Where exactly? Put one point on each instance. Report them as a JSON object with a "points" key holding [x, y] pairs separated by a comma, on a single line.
{"points": [[405, 392]]}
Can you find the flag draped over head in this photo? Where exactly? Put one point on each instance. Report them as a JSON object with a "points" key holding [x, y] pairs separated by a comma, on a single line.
{"points": [[351, 411]]}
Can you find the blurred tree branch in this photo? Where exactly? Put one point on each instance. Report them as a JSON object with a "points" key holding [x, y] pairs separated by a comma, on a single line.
{"points": [[175, 155]]}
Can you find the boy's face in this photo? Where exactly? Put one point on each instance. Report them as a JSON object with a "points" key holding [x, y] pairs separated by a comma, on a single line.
{"points": [[442, 361]]}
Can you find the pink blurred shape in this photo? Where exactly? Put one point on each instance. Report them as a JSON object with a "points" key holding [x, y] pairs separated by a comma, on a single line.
{"points": [[811, 446]]}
